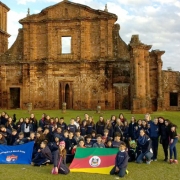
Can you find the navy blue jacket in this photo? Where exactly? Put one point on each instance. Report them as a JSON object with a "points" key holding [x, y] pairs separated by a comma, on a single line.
{"points": [[21, 141], [90, 128], [59, 135], [121, 159], [131, 130], [154, 130], [144, 144], [83, 130], [72, 128], [63, 126], [100, 128]]}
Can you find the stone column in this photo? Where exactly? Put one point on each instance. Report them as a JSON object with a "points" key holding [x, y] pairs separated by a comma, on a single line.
{"points": [[159, 65], [136, 76]]}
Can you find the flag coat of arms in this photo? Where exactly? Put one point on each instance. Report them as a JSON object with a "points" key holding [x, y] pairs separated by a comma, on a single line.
{"points": [[94, 160]]}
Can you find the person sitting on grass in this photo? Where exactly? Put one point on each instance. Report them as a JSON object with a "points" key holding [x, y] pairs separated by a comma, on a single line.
{"points": [[13, 137], [2, 140], [44, 156], [144, 146], [6, 133], [121, 162], [99, 143], [60, 166], [21, 139]]}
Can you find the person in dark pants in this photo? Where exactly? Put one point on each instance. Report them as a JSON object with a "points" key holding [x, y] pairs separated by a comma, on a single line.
{"points": [[172, 146], [44, 156], [154, 135], [121, 161], [164, 128], [71, 144], [131, 129], [144, 145]]}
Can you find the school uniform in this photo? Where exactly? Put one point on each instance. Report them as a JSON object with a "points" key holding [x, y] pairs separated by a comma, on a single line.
{"points": [[78, 138], [42, 123], [97, 145], [144, 145], [63, 168], [83, 130], [100, 128], [121, 162], [93, 140], [90, 128], [118, 129], [154, 135], [116, 144], [26, 129], [88, 145], [70, 143], [63, 126], [131, 130], [43, 157], [3, 141], [21, 141], [53, 146], [72, 128], [59, 135]]}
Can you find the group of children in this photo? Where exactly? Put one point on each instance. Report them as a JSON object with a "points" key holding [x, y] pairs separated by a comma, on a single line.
{"points": [[56, 141]]}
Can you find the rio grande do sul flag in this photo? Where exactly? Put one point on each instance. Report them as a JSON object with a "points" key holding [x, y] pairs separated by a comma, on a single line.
{"points": [[94, 160]]}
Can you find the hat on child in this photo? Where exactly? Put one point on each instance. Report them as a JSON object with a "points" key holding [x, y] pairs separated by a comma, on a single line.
{"points": [[62, 143]]}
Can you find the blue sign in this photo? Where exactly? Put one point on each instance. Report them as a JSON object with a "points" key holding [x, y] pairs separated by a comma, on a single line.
{"points": [[20, 154]]}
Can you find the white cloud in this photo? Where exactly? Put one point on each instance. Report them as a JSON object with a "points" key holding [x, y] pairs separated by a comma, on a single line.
{"points": [[156, 22], [24, 1], [13, 25]]}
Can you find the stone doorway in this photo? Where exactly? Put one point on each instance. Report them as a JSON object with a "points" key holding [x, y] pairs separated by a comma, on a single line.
{"points": [[65, 94], [14, 98], [122, 95]]}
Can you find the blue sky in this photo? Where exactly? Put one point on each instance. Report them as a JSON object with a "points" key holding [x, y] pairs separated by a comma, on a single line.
{"points": [[156, 21]]}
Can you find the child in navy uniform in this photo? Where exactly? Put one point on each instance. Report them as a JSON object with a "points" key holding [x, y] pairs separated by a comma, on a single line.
{"points": [[44, 156], [121, 161]]}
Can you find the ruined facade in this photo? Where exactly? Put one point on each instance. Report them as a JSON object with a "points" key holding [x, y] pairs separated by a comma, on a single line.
{"points": [[3, 28], [72, 53]]}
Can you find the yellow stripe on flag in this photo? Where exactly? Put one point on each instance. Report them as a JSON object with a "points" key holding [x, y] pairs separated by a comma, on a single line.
{"points": [[105, 170]]}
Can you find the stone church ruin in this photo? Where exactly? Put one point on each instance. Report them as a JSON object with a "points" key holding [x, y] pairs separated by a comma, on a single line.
{"points": [[72, 53]]}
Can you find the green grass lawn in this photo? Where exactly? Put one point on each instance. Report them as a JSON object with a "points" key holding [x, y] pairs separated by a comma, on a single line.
{"points": [[156, 170]]}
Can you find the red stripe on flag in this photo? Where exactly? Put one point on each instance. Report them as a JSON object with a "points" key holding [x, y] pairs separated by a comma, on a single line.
{"points": [[93, 162]]}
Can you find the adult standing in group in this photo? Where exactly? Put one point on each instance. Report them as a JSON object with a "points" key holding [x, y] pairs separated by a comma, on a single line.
{"points": [[164, 129]]}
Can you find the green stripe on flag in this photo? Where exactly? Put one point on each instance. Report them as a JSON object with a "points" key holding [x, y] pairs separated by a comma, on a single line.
{"points": [[85, 152]]}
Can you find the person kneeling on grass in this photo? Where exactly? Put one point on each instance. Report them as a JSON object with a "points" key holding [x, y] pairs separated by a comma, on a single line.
{"points": [[121, 161], [44, 156], [60, 160], [144, 146]]}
